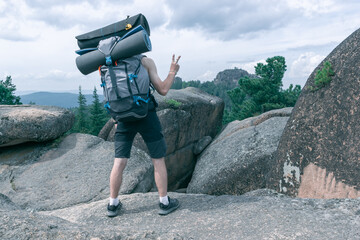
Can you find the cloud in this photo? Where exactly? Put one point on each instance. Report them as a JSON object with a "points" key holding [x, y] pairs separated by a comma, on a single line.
{"points": [[229, 19], [248, 66], [207, 76], [305, 64], [314, 7], [13, 22], [209, 35], [25, 20], [30, 20], [94, 14], [54, 79]]}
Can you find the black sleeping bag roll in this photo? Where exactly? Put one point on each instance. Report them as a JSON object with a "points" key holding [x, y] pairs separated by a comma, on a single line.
{"points": [[91, 39]]}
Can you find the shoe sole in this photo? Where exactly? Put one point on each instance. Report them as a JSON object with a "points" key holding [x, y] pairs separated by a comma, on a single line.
{"points": [[166, 212], [112, 214]]}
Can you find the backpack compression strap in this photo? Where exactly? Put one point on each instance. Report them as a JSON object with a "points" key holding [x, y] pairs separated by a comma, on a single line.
{"points": [[135, 75], [128, 80], [113, 80], [129, 77]]}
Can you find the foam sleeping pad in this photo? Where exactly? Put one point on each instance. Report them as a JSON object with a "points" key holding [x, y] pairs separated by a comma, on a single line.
{"points": [[134, 44]]}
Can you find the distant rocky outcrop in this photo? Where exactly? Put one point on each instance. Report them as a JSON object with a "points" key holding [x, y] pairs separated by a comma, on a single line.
{"points": [[187, 116], [318, 155], [231, 77], [239, 159], [30, 123], [261, 214]]}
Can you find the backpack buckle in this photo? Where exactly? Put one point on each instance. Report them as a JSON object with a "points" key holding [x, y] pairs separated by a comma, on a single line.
{"points": [[108, 60], [132, 76], [107, 105]]}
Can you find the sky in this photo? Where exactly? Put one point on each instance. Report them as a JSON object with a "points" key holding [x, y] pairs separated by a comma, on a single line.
{"points": [[37, 37]]}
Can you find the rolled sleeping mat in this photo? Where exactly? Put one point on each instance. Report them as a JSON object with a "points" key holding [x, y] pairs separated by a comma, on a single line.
{"points": [[92, 39], [135, 44]]}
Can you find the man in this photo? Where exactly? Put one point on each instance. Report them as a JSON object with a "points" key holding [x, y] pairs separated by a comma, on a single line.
{"points": [[150, 129]]}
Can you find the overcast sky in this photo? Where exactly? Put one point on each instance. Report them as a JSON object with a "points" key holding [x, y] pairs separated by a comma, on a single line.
{"points": [[37, 37]]}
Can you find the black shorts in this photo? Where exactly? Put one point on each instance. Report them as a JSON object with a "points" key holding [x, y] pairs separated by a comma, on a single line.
{"points": [[150, 130]]}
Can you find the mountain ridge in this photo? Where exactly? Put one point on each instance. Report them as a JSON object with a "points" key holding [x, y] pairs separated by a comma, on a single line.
{"points": [[64, 99]]}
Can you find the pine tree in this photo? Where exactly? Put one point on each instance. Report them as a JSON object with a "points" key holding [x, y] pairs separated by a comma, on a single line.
{"points": [[7, 89], [264, 93], [98, 115], [81, 124]]}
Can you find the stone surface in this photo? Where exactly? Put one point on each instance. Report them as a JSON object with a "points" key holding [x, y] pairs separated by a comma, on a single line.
{"points": [[202, 144], [186, 116], [318, 183], [75, 171], [24, 123], [7, 204], [262, 214], [105, 131], [238, 160], [324, 131]]}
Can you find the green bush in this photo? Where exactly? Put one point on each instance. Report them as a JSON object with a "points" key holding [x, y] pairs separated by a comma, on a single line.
{"points": [[173, 103], [323, 77]]}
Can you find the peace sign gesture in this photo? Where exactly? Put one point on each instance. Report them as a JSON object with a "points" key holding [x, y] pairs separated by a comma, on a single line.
{"points": [[174, 67]]}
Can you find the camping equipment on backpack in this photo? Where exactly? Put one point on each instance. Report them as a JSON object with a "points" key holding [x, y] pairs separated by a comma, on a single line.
{"points": [[126, 86], [136, 42], [91, 39], [124, 79]]}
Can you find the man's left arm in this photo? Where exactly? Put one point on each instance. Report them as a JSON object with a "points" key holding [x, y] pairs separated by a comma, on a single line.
{"points": [[162, 87]]}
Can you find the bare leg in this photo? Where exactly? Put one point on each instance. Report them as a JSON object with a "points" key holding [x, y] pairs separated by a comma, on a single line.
{"points": [[116, 176], [160, 173]]}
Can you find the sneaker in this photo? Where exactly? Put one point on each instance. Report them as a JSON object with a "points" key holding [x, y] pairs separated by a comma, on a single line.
{"points": [[172, 206], [113, 210]]}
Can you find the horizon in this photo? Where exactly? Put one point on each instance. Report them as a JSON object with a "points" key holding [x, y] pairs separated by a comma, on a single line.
{"points": [[89, 91], [23, 93]]}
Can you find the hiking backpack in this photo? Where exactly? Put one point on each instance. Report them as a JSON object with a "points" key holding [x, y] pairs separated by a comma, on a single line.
{"points": [[126, 84]]}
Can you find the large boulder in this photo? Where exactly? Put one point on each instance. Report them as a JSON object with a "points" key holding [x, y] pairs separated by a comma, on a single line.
{"points": [[256, 215], [24, 123], [75, 171], [187, 116], [318, 155], [238, 160]]}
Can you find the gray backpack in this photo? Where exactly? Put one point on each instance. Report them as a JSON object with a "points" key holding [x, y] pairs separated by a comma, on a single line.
{"points": [[126, 85]]}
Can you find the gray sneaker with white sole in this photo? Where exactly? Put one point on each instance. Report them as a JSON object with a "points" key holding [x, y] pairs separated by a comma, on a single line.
{"points": [[172, 206], [113, 210]]}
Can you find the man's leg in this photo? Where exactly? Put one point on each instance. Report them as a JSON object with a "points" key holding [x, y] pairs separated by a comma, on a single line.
{"points": [[116, 176], [115, 183], [150, 130], [160, 174], [166, 205]]}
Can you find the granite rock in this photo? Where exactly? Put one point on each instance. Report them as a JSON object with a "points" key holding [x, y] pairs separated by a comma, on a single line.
{"points": [[75, 171], [262, 214], [239, 159], [318, 154], [24, 123]]}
